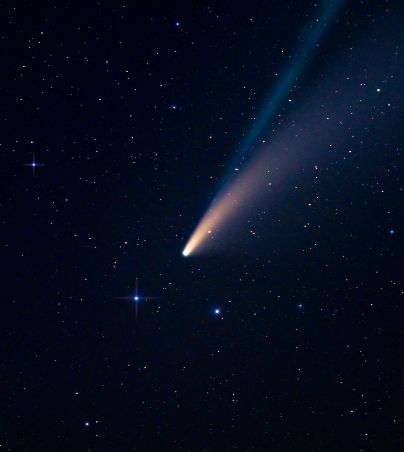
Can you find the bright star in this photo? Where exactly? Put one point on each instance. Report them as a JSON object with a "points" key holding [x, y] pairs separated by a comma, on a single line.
{"points": [[34, 164], [217, 311], [136, 298]]}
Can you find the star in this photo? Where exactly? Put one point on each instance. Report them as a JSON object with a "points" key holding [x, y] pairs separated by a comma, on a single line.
{"points": [[136, 298], [34, 164], [217, 311]]}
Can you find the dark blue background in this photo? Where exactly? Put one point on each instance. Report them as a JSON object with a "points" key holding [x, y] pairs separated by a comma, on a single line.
{"points": [[307, 351]]}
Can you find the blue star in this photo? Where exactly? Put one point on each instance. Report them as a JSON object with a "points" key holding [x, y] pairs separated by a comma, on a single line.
{"points": [[217, 311], [34, 164], [136, 298]]}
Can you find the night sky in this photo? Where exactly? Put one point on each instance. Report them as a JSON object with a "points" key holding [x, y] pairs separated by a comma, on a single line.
{"points": [[120, 124]]}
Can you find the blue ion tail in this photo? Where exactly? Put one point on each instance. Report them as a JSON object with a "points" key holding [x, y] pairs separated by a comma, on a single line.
{"points": [[286, 81]]}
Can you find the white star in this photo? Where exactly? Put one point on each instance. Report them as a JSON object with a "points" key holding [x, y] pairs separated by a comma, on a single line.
{"points": [[136, 298], [34, 164]]}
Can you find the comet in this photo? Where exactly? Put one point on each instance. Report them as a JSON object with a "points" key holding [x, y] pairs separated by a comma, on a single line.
{"points": [[241, 192], [225, 206], [239, 197]]}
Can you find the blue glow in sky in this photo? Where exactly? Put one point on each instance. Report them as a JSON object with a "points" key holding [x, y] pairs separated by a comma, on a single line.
{"points": [[285, 83]]}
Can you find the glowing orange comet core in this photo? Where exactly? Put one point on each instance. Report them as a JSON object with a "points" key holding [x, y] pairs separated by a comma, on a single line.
{"points": [[241, 192]]}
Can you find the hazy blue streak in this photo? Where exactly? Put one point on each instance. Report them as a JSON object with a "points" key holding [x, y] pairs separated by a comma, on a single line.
{"points": [[285, 84]]}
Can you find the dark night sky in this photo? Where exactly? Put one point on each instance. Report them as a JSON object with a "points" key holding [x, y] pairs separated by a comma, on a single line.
{"points": [[134, 112]]}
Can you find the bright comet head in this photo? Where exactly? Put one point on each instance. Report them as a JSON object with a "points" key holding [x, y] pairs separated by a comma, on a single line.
{"points": [[190, 246], [224, 208], [198, 236]]}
